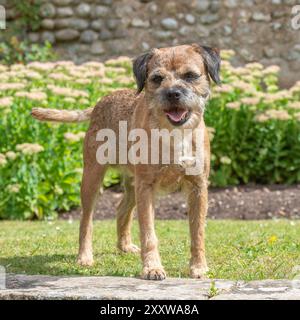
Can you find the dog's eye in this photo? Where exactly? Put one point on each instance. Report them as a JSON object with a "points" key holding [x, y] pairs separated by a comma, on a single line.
{"points": [[191, 76], [157, 79]]}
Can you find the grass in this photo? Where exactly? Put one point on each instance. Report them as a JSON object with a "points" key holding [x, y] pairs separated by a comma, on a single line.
{"points": [[235, 249]]}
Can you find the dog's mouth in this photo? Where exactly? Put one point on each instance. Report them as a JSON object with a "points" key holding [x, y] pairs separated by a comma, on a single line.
{"points": [[177, 116]]}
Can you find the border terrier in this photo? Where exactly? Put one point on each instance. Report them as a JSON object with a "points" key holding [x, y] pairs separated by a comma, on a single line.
{"points": [[173, 86]]}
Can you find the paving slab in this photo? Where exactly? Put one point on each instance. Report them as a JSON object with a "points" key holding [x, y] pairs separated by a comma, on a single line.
{"points": [[263, 290], [107, 288], [41, 287]]}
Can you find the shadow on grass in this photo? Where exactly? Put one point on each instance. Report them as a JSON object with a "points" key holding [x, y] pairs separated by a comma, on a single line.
{"points": [[66, 265], [38, 264]]}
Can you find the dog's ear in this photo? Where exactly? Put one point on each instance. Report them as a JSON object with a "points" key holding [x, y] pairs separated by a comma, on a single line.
{"points": [[212, 61], [140, 69]]}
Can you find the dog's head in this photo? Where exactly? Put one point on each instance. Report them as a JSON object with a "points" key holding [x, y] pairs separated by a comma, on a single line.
{"points": [[176, 81]]}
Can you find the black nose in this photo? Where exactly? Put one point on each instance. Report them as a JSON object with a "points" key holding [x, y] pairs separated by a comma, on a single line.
{"points": [[173, 94]]}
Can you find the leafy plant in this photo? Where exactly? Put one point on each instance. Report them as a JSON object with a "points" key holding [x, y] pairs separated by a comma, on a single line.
{"points": [[255, 125], [41, 163], [254, 130], [213, 290], [16, 51], [29, 18], [14, 48]]}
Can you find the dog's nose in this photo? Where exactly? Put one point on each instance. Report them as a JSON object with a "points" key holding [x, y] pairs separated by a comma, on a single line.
{"points": [[173, 94]]}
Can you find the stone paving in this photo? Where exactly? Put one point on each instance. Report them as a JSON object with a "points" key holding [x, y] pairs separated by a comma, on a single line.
{"points": [[117, 288]]}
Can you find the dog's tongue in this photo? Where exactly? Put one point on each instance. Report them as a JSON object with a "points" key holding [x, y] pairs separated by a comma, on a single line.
{"points": [[176, 114]]}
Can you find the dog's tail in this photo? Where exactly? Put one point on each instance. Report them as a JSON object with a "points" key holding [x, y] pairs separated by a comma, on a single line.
{"points": [[43, 114]]}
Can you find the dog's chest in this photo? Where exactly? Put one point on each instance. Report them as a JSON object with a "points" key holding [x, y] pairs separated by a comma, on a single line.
{"points": [[169, 179]]}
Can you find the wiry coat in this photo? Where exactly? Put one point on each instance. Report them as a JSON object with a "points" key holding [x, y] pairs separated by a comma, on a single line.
{"points": [[188, 70]]}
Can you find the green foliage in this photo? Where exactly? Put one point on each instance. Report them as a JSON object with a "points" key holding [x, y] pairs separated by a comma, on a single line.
{"points": [[111, 178], [14, 48], [16, 51], [29, 18], [254, 130], [213, 290], [43, 176]]}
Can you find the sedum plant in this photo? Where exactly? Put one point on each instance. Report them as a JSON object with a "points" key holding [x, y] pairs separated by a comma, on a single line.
{"points": [[253, 125]]}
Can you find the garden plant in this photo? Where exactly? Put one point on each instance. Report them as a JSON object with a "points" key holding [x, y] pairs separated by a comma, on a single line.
{"points": [[253, 125]]}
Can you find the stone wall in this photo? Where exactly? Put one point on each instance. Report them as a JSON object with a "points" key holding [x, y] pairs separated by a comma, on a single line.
{"points": [[97, 29]]}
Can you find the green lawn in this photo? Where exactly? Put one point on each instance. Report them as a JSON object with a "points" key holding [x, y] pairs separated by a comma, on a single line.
{"points": [[235, 249]]}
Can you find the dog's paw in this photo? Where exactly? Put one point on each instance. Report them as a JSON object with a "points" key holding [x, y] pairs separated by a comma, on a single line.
{"points": [[130, 248], [153, 273], [85, 261], [199, 272]]}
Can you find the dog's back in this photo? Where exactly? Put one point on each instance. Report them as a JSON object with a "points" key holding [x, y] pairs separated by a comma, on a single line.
{"points": [[115, 107]]}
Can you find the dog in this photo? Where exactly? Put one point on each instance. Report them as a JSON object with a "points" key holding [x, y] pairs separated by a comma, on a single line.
{"points": [[173, 86]]}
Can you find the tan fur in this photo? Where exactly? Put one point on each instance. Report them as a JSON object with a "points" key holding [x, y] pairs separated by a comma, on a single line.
{"points": [[43, 114], [143, 182]]}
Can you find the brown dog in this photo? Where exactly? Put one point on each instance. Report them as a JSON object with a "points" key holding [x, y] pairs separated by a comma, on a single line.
{"points": [[173, 86]]}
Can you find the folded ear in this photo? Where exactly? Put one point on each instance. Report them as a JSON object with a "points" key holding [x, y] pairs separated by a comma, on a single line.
{"points": [[140, 69], [212, 61]]}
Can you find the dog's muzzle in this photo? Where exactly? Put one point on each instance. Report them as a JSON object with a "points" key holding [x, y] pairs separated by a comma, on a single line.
{"points": [[176, 113]]}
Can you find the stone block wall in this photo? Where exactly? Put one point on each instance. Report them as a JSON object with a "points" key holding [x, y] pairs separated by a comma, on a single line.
{"points": [[97, 29]]}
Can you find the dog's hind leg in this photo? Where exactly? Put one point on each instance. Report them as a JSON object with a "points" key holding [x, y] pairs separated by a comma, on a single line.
{"points": [[125, 216], [93, 175]]}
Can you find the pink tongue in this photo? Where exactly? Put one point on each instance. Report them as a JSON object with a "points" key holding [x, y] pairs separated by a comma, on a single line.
{"points": [[176, 115]]}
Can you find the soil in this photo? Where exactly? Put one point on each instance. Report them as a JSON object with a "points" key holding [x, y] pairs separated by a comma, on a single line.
{"points": [[247, 203]]}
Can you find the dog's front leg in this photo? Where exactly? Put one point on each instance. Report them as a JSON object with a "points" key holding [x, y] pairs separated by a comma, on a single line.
{"points": [[152, 268], [197, 199]]}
